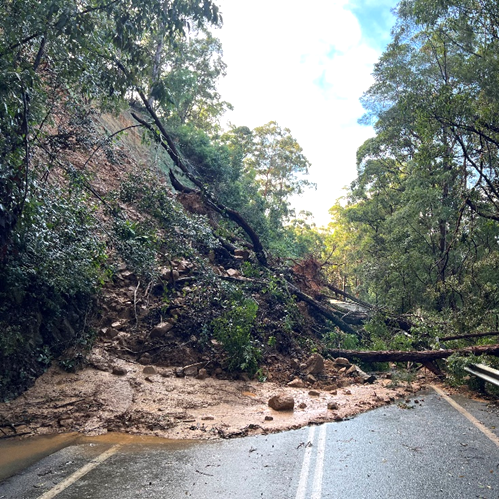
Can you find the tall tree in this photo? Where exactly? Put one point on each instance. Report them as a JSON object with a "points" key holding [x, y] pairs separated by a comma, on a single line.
{"points": [[71, 48], [432, 167], [278, 165]]}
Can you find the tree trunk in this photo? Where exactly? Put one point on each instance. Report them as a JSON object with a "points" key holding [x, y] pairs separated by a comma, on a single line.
{"points": [[471, 335], [412, 356]]}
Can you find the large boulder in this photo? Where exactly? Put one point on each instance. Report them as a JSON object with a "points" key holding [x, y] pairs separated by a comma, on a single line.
{"points": [[282, 403], [315, 364]]}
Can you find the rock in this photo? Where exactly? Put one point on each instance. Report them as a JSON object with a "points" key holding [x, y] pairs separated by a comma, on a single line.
{"points": [[315, 364], [208, 418], [98, 363], [347, 392], [366, 378], [118, 325], [311, 379], [330, 388], [109, 332], [329, 364], [343, 382], [314, 393], [191, 371], [145, 359], [294, 363], [120, 371], [341, 361], [149, 370], [302, 405], [332, 405], [351, 370], [337, 417], [233, 273], [179, 372], [269, 418], [169, 274], [296, 383], [243, 253], [282, 403], [160, 330], [202, 374]]}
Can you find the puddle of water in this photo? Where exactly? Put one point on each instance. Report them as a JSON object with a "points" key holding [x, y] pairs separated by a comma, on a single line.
{"points": [[18, 454]]}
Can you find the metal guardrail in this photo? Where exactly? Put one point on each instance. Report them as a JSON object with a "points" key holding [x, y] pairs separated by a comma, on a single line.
{"points": [[484, 372]]}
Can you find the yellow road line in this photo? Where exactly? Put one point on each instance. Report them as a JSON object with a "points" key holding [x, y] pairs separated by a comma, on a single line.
{"points": [[80, 473], [492, 436]]}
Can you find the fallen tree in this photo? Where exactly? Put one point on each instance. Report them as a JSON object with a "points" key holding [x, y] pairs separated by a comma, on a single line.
{"points": [[470, 335], [413, 356]]}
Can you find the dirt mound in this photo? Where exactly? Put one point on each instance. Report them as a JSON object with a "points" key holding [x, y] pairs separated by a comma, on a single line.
{"points": [[124, 396]]}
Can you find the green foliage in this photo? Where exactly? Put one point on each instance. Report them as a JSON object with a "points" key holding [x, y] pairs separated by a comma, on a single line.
{"points": [[137, 245], [418, 230], [184, 86], [48, 280], [339, 339], [249, 270], [277, 163], [51, 49], [172, 230], [233, 329], [457, 376]]}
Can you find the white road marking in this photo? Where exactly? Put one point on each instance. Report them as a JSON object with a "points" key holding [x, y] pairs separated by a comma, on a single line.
{"points": [[302, 485], [492, 436], [80, 473], [319, 464]]}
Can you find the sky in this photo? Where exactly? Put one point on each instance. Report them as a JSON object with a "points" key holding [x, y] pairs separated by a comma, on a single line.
{"points": [[305, 65]]}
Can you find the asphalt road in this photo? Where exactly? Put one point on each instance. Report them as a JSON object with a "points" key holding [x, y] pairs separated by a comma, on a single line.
{"points": [[424, 449]]}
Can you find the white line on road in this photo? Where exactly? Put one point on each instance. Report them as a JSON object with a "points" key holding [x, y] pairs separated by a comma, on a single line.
{"points": [[319, 464], [467, 415], [302, 486], [301, 492], [80, 473]]}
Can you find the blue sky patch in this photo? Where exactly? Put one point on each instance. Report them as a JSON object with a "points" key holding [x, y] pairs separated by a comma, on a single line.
{"points": [[375, 19]]}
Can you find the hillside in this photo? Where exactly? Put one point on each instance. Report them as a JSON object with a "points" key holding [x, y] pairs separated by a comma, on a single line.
{"points": [[182, 323]]}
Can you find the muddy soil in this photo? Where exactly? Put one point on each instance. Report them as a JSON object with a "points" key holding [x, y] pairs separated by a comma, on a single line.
{"points": [[150, 400]]}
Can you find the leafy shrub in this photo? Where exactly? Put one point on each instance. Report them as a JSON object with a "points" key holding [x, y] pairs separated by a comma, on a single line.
{"points": [[48, 278], [233, 330]]}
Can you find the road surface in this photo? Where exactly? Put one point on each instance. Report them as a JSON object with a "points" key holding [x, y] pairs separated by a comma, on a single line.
{"points": [[424, 448]]}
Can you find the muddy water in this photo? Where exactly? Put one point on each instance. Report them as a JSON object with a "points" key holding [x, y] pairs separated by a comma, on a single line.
{"points": [[18, 454]]}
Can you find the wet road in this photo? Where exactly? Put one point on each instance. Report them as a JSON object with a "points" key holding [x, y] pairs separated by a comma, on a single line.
{"points": [[423, 449]]}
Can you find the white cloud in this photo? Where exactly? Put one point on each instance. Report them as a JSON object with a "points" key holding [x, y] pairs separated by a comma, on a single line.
{"points": [[304, 65]]}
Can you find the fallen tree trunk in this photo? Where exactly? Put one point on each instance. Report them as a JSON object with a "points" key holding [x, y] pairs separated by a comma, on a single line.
{"points": [[338, 291], [174, 154], [329, 314], [412, 356], [230, 214], [471, 335]]}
